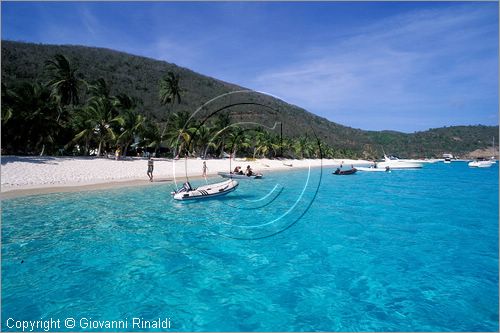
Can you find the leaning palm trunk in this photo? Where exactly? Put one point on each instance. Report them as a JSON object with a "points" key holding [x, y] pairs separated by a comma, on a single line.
{"points": [[222, 145], [100, 148], [206, 151], [87, 144], [125, 148]]}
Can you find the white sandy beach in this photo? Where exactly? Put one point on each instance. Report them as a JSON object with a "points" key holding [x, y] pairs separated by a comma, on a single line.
{"points": [[21, 175]]}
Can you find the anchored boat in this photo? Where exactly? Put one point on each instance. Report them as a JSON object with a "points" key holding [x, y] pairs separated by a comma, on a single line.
{"points": [[480, 163], [186, 192], [395, 163], [345, 172], [238, 176]]}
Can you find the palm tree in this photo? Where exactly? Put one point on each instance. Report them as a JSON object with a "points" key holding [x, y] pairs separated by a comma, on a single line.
{"points": [[260, 143], [170, 92], [103, 115], [287, 146], [7, 98], [131, 122], [203, 136], [222, 128], [99, 89], [238, 138], [33, 114], [180, 132], [152, 137], [303, 147], [63, 80], [84, 125]]}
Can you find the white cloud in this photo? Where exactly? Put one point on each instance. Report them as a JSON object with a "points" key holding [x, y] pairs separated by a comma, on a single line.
{"points": [[420, 62]]}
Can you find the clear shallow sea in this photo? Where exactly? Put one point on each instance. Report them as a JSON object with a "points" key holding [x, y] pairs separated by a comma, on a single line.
{"points": [[412, 250]]}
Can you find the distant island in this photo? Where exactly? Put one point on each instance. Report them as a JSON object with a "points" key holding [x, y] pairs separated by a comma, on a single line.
{"points": [[84, 100]]}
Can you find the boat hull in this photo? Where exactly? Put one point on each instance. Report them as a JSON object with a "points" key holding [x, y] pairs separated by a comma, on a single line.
{"points": [[395, 164], [207, 191], [373, 169], [399, 165], [480, 164], [345, 172], [238, 176]]}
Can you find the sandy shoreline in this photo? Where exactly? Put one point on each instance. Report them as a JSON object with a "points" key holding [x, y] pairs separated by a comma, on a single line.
{"points": [[22, 175]]}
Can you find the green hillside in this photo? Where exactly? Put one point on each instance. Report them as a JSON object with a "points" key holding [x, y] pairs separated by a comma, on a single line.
{"points": [[139, 77]]}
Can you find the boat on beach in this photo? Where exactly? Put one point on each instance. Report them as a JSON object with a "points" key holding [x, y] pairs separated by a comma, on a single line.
{"points": [[238, 175], [186, 192]]}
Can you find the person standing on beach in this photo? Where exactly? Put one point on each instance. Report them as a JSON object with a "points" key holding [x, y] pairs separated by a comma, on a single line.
{"points": [[204, 169], [150, 169], [117, 153]]}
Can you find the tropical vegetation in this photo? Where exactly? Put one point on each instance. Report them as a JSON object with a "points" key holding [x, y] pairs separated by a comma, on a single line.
{"points": [[48, 117], [81, 100]]}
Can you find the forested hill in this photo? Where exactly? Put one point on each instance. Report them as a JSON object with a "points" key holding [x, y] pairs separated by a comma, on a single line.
{"points": [[139, 77]]}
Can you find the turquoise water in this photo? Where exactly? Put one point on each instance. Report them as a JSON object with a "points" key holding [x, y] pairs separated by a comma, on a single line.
{"points": [[405, 251]]}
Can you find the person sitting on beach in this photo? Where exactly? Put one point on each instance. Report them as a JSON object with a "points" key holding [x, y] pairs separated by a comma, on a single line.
{"points": [[150, 168], [249, 171], [237, 170]]}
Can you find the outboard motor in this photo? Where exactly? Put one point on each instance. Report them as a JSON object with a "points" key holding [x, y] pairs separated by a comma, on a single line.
{"points": [[185, 188]]}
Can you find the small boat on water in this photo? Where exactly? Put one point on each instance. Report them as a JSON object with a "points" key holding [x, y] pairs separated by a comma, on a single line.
{"points": [[238, 175], [345, 172], [480, 163], [186, 192], [373, 169]]}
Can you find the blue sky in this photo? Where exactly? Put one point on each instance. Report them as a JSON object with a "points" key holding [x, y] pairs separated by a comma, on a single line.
{"points": [[386, 65]]}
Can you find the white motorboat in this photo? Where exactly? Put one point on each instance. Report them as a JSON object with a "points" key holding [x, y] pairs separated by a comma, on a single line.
{"points": [[186, 192], [447, 158], [373, 169], [424, 161], [480, 164], [395, 163], [238, 175]]}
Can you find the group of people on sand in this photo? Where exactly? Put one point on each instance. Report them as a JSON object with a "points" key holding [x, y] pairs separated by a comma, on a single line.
{"points": [[237, 170]]}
